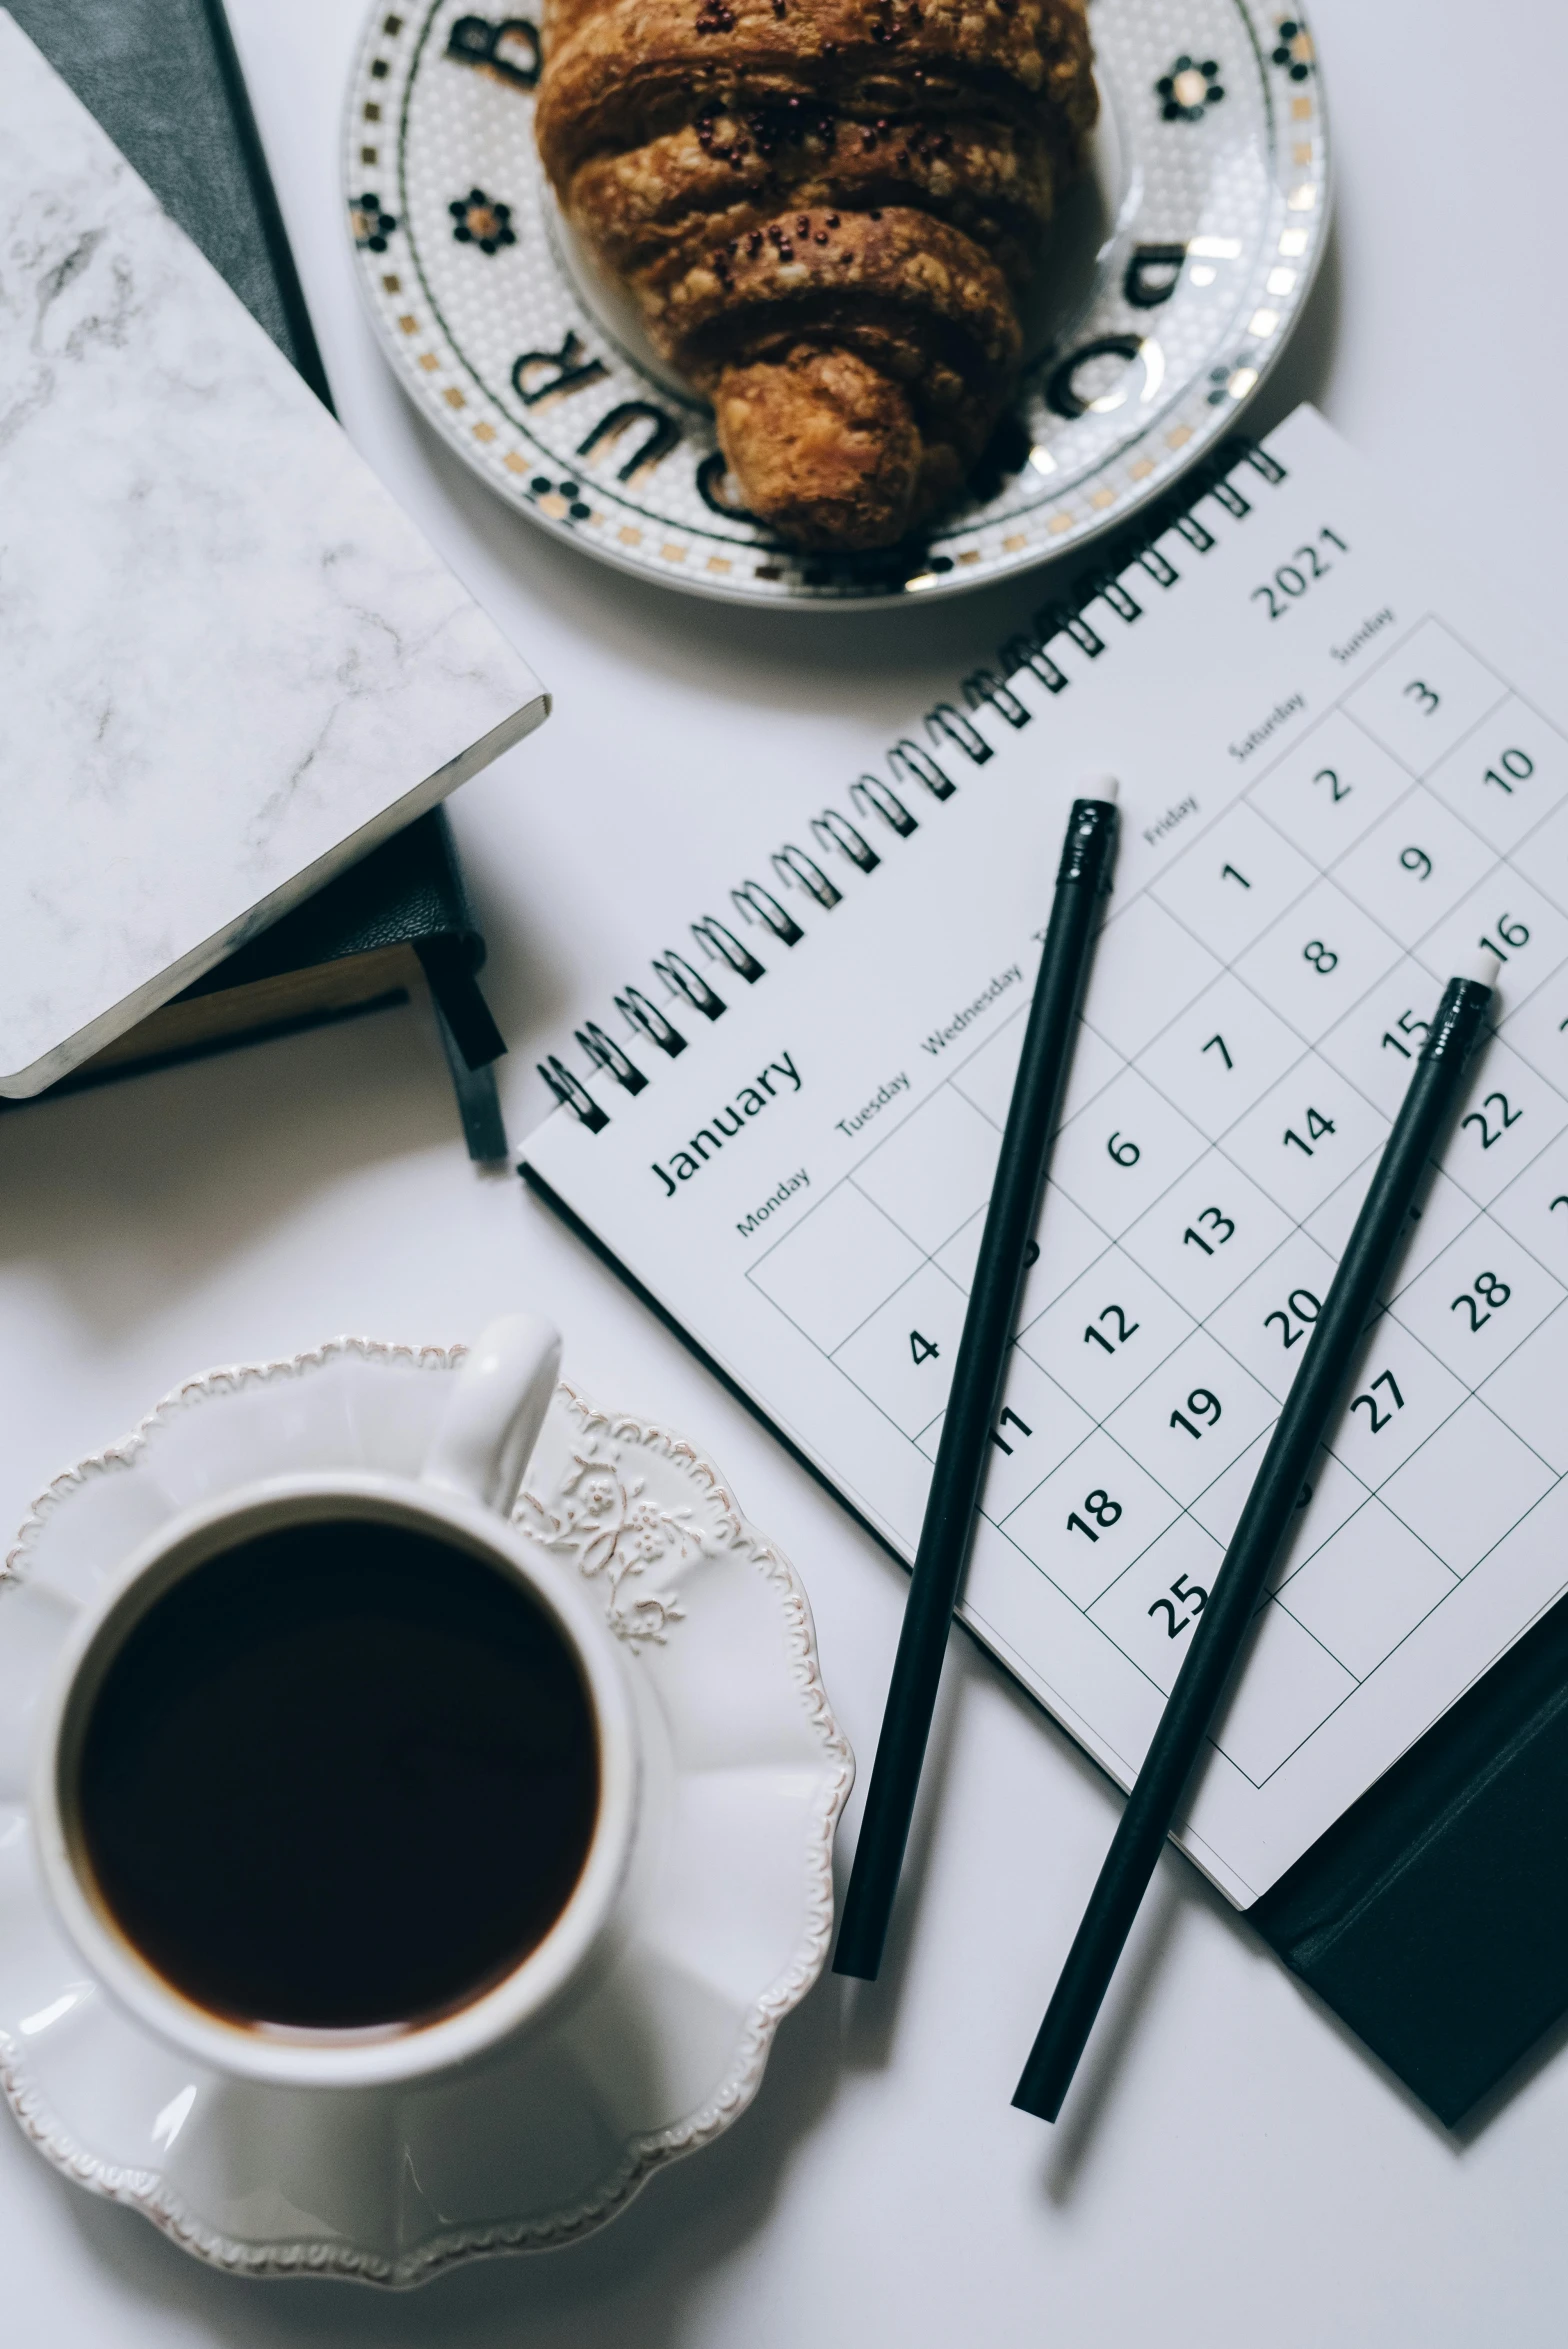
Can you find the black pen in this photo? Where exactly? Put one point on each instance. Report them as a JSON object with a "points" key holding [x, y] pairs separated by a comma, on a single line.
{"points": [[1315, 1396], [1082, 880]]}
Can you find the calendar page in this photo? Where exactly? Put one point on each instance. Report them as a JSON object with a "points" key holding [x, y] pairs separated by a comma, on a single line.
{"points": [[1339, 776]]}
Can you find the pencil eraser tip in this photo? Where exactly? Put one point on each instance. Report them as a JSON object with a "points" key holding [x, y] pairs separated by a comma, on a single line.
{"points": [[1099, 787], [1482, 966]]}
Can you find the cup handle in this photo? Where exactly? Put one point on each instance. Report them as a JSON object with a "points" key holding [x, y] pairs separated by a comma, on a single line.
{"points": [[491, 1425]]}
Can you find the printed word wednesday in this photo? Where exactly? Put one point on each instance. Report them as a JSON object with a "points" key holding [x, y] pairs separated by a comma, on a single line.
{"points": [[726, 1123]]}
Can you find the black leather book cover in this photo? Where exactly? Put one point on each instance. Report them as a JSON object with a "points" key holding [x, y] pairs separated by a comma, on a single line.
{"points": [[1433, 1916]]}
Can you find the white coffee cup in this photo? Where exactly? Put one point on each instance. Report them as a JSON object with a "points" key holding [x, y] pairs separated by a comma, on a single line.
{"points": [[462, 1497]]}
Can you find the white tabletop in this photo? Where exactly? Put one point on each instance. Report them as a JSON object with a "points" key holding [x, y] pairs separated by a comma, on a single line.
{"points": [[1233, 2168]]}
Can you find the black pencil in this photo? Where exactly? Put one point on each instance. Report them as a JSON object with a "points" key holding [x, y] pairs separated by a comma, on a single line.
{"points": [[1082, 880], [1310, 1407]]}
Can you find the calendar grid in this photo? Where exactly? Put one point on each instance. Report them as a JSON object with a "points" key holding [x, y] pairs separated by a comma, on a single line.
{"points": [[1373, 1559]]}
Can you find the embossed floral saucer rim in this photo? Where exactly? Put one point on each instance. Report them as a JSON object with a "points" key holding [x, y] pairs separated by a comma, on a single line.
{"points": [[640, 1616], [421, 127]]}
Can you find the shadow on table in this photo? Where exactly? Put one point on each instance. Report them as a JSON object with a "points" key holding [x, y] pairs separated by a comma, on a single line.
{"points": [[871, 2009], [1458, 2138], [124, 1197], [1114, 2036], [628, 2287], [1306, 366]]}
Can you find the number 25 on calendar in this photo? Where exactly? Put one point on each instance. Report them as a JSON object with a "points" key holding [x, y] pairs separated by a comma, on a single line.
{"points": [[1190, 1595]]}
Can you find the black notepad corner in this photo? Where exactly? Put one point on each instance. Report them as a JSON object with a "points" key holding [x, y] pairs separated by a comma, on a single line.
{"points": [[1433, 1916]]}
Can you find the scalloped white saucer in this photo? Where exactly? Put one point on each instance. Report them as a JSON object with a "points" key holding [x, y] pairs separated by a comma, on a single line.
{"points": [[730, 1930]]}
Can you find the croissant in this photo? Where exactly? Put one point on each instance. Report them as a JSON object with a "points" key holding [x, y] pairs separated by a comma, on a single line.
{"points": [[827, 212]]}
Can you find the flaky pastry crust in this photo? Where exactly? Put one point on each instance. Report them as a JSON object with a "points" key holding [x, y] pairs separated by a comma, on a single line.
{"points": [[827, 211]]}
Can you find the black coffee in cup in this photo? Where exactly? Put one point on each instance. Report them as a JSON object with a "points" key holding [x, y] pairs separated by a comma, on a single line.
{"points": [[342, 1775]]}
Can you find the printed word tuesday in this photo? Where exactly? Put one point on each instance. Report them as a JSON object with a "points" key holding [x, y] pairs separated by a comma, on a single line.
{"points": [[726, 1123]]}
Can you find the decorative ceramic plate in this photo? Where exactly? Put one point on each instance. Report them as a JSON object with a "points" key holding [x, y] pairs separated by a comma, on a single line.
{"points": [[730, 1931], [1178, 267]]}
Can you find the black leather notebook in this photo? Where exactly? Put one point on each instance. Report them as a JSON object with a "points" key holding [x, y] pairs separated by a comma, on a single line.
{"points": [[1433, 1917], [163, 79], [396, 922]]}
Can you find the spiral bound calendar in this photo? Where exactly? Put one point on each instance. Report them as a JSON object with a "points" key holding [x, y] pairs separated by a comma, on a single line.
{"points": [[1338, 776]]}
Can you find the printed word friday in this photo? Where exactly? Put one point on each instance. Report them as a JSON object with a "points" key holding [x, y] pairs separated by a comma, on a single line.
{"points": [[725, 1124]]}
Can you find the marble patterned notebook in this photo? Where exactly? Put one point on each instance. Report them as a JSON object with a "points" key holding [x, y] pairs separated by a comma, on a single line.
{"points": [[229, 663]]}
